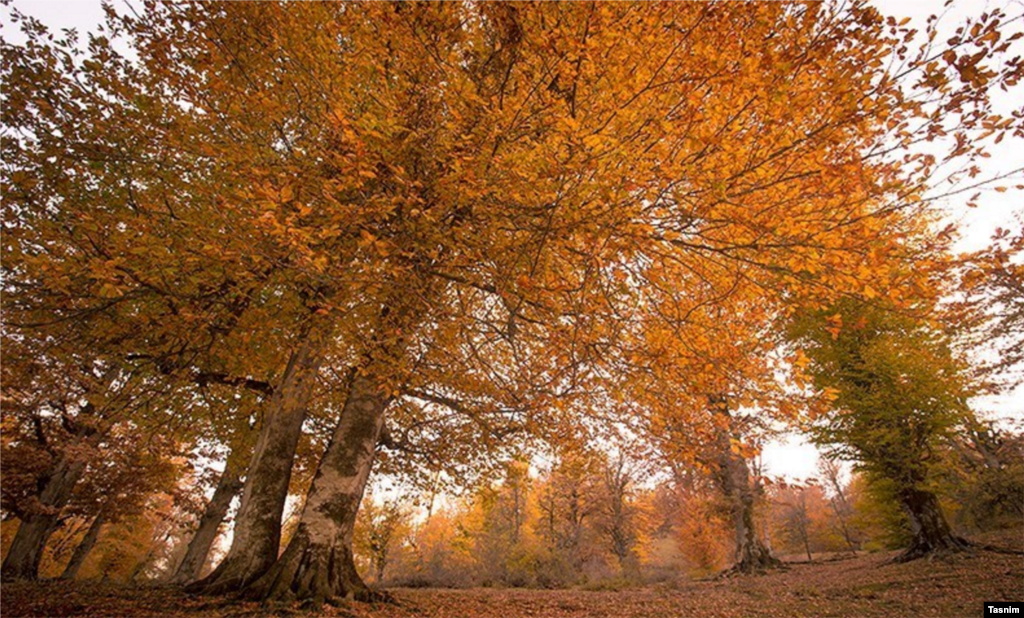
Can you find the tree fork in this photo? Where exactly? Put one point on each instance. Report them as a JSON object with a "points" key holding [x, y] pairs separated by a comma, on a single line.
{"points": [[257, 534], [317, 566]]}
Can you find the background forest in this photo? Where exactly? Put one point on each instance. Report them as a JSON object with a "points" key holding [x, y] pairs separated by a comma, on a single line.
{"points": [[304, 301]]}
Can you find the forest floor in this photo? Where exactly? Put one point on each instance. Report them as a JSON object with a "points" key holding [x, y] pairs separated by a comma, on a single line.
{"points": [[864, 586]]}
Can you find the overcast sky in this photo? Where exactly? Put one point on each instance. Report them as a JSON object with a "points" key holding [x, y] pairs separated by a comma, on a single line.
{"points": [[793, 457]]}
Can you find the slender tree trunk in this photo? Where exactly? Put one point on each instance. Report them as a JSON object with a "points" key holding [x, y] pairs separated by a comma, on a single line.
{"points": [[228, 486], [317, 566], [807, 543], [84, 548], [157, 542], [26, 551], [257, 533], [840, 506], [929, 528], [841, 517], [382, 563]]}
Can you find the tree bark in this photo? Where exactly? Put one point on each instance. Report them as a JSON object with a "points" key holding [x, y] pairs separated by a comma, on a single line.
{"points": [[733, 478], [317, 566], [380, 564], [228, 486], [26, 551], [751, 555], [928, 526], [257, 533], [84, 548]]}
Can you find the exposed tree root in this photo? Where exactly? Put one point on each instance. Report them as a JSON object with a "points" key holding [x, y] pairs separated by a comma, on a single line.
{"points": [[761, 564], [932, 548], [314, 575], [948, 547]]}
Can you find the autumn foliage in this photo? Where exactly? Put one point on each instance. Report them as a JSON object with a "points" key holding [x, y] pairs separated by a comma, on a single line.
{"points": [[544, 276]]}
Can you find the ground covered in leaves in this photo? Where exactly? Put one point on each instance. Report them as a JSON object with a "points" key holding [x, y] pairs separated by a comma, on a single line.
{"points": [[867, 585]]}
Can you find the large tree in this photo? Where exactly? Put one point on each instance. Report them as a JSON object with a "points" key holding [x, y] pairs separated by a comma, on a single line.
{"points": [[450, 203], [896, 392]]}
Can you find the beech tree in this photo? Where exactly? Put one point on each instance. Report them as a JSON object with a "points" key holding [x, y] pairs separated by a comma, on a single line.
{"points": [[228, 486], [897, 391], [386, 211]]}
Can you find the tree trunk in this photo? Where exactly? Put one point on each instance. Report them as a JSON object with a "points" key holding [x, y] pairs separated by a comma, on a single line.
{"points": [[928, 526], [317, 566], [751, 555], [807, 544], [26, 551], [381, 564], [257, 533], [228, 486], [733, 478], [82, 551]]}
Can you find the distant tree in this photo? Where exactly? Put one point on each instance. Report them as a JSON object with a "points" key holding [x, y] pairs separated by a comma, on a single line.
{"points": [[380, 530], [619, 517], [804, 520], [568, 501], [983, 473], [829, 473], [119, 486], [991, 307], [705, 527]]}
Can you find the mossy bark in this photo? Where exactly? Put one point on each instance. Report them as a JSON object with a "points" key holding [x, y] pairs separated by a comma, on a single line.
{"points": [[257, 532], [317, 566], [733, 478], [751, 556]]}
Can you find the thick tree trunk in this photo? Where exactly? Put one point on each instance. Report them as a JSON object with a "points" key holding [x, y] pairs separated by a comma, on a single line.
{"points": [[228, 486], [82, 551], [257, 533], [26, 551], [317, 566], [751, 555], [928, 526], [733, 478]]}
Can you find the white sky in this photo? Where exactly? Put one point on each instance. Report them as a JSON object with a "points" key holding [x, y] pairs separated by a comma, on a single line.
{"points": [[791, 457]]}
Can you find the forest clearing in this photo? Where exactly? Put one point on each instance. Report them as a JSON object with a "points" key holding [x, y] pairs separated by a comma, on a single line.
{"points": [[865, 586], [511, 308]]}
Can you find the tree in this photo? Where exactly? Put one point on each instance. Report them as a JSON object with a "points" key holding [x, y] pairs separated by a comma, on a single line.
{"points": [[732, 475], [383, 527], [829, 472], [619, 518], [119, 485], [56, 449], [897, 391], [991, 307], [229, 485], [570, 499], [803, 520], [382, 196]]}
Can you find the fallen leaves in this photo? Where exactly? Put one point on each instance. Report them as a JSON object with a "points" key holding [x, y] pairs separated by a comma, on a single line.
{"points": [[867, 586]]}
